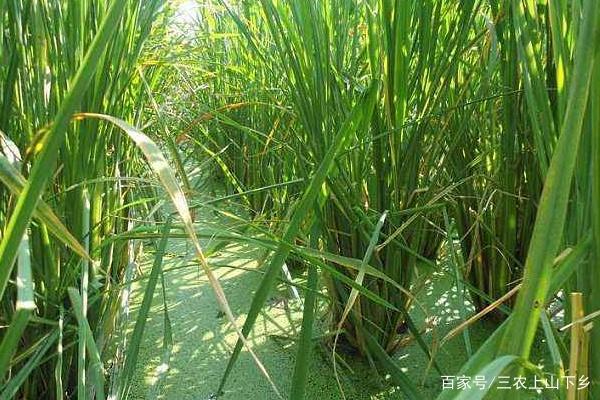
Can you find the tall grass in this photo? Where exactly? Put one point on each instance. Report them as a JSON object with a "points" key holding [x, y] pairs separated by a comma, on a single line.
{"points": [[325, 69], [564, 181], [451, 130], [64, 57], [69, 320], [504, 171], [362, 138]]}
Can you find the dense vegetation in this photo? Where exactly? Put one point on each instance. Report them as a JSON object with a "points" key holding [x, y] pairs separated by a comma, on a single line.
{"points": [[367, 144]]}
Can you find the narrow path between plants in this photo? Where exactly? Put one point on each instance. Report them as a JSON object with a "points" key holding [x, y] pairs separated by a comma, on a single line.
{"points": [[203, 339]]}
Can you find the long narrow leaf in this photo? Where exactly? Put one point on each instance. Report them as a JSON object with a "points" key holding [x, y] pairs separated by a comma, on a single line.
{"points": [[161, 168], [44, 165], [362, 112], [140, 323]]}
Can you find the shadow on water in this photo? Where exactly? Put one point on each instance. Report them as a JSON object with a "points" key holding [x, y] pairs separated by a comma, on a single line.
{"points": [[203, 338]]}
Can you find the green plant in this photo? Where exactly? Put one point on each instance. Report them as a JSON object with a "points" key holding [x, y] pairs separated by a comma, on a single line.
{"points": [[64, 56]]}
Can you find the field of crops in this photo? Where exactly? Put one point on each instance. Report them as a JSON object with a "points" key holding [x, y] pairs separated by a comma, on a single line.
{"points": [[346, 199]]}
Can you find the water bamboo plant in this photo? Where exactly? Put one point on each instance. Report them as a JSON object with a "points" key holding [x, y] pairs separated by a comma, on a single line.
{"points": [[370, 142]]}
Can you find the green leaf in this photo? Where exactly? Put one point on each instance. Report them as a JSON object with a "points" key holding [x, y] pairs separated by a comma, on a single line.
{"points": [[398, 376], [490, 372], [43, 166], [23, 309], [305, 343], [15, 182], [361, 112], [97, 376], [162, 169], [133, 346], [551, 214], [11, 388]]}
